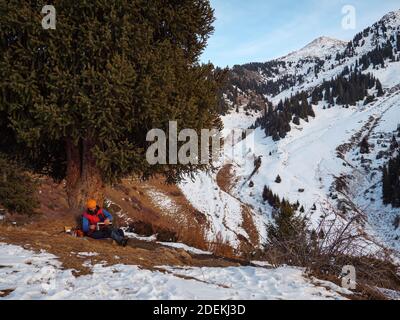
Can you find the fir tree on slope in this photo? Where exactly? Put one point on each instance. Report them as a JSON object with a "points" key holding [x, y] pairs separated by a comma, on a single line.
{"points": [[391, 183], [287, 224], [346, 89], [272, 199], [379, 88], [17, 188], [288, 235], [78, 101], [364, 146]]}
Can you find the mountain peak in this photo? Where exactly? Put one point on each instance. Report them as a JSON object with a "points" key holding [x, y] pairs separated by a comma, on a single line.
{"points": [[393, 16], [324, 41], [319, 48]]}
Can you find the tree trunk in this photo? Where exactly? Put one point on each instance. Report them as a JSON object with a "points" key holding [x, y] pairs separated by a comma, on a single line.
{"points": [[84, 180]]}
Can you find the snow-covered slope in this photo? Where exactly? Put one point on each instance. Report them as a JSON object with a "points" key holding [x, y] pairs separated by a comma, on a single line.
{"points": [[28, 275], [365, 185]]}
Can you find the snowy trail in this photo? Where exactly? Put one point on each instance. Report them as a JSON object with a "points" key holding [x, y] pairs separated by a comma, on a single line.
{"points": [[28, 275]]}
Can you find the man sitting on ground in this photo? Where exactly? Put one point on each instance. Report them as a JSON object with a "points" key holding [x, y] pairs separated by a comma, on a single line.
{"points": [[97, 224]]}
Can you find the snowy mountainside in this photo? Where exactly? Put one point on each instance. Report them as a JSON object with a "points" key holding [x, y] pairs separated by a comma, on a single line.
{"points": [[308, 164], [308, 159], [386, 29]]}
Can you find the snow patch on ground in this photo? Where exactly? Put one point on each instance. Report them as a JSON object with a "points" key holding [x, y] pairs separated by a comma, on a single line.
{"points": [[185, 247], [260, 283], [163, 201], [176, 245], [87, 254], [132, 235]]}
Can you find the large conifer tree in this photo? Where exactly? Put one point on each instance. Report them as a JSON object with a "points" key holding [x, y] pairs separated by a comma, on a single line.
{"points": [[78, 101]]}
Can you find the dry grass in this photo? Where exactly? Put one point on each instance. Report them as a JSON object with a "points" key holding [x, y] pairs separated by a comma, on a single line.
{"points": [[133, 200], [249, 226], [185, 225], [193, 236], [221, 247], [188, 224]]}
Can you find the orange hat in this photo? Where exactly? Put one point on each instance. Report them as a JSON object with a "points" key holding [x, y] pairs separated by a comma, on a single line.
{"points": [[91, 204]]}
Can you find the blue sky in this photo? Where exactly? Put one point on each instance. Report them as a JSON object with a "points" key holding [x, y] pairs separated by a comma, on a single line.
{"points": [[260, 30]]}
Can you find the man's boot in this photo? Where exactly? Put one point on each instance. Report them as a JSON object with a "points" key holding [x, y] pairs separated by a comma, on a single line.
{"points": [[119, 237]]}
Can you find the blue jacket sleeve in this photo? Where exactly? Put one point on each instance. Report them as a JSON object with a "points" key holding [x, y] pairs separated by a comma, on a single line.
{"points": [[108, 215], [85, 225]]}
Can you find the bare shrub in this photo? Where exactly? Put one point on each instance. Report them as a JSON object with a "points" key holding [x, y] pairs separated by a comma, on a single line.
{"points": [[221, 247], [193, 236], [335, 243]]}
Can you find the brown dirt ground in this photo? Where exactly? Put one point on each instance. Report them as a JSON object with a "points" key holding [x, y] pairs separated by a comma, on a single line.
{"points": [[44, 231], [225, 177]]}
